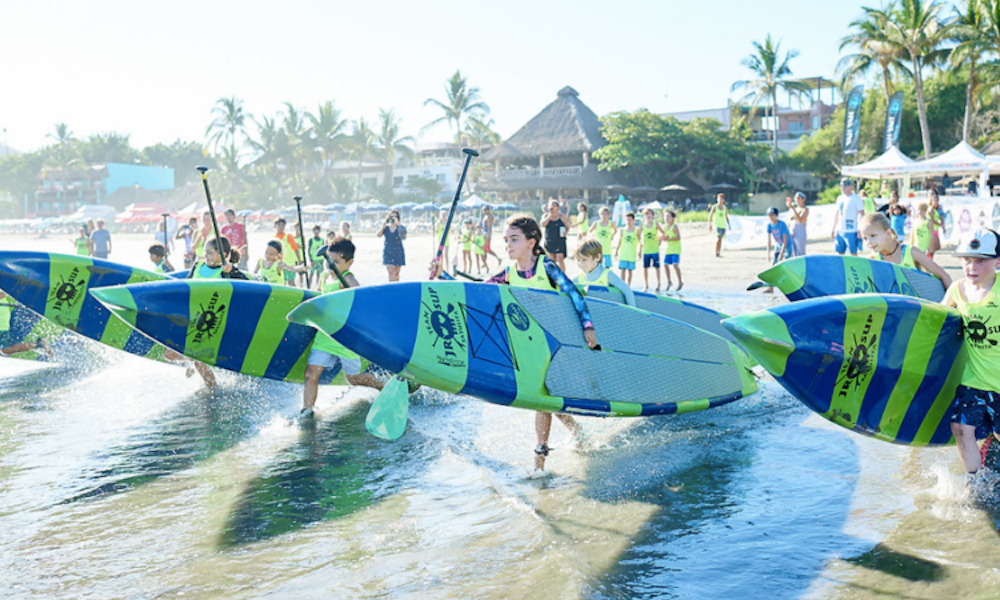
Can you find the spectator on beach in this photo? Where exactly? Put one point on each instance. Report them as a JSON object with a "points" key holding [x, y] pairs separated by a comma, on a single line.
{"points": [[188, 233], [237, 235], [897, 215], [100, 240], [718, 216], [82, 243], [800, 215], [393, 254], [850, 209], [556, 224], [604, 231]]}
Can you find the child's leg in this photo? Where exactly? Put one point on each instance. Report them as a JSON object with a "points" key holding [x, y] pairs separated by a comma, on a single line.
{"points": [[570, 424], [543, 424], [965, 441], [677, 269], [645, 277], [311, 388], [365, 379]]}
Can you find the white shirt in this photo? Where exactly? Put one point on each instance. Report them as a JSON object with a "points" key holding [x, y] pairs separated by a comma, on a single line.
{"points": [[848, 208]]}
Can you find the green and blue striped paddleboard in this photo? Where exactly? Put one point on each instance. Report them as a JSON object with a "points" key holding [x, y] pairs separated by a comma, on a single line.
{"points": [[828, 275], [525, 348], [56, 286], [236, 325], [879, 364]]}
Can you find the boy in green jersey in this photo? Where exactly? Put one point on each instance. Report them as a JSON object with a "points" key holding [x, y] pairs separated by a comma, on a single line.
{"points": [[651, 233], [718, 216], [326, 352], [976, 408], [604, 231], [628, 244]]}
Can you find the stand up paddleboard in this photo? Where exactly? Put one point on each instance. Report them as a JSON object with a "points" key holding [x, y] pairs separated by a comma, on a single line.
{"points": [[672, 308], [882, 365], [27, 326], [823, 275], [55, 286], [236, 325], [525, 348]]}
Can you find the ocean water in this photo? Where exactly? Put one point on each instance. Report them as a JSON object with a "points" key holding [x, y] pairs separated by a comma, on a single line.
{"points": [[122, 478]]}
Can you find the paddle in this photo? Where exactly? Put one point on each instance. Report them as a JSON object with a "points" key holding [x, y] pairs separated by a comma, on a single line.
{"points": [[211, 211], [469, 152], [166, 240], [755, 286], [302, 240], [467, 276], [387, 416]]}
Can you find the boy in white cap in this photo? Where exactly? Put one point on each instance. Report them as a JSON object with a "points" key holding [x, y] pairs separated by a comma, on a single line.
{"points": [[977, 401]]}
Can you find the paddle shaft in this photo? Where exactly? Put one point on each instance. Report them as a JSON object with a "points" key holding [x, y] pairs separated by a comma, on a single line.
{"points": [[166, 240], [302, 241], [469, 153], [211, 212]]}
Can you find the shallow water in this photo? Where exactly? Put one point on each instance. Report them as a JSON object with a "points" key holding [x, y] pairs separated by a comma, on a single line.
{"points": [[121, 478]]}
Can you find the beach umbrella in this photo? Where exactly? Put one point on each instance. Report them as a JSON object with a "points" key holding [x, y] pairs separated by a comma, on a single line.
{"points": [[506, 206], [244, 213], [723, 186], [427, 207], [673, 187], [353, 208], [655, 205], [373, 207], [334, 207], [474, 202], [405, 206]]}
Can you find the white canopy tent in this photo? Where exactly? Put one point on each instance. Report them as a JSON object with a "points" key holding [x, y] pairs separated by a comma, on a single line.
{"points": [[963, 159], [891, 165]]}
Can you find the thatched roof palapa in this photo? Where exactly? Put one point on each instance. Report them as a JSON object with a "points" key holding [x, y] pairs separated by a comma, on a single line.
{"points": [[566, 126]]}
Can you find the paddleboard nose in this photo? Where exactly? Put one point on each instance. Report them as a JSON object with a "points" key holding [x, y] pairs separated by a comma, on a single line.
{"points": [[788, 276], [765, 336], [328, 315], [115, 297]]}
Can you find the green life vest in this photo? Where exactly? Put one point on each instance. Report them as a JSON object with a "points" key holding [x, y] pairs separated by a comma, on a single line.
{"points": [[480, 248], [323, 342], [314, 246], [905, 258], [203, 271], [922, 235], [467, 241], [630, 243], [604, 233], [601, 281], [199, 248], [869, 205], [82, 246], [719, 217], [270, 274], [673, 246], [538, 281], [983, 362], [650, 240], [583, 225]]}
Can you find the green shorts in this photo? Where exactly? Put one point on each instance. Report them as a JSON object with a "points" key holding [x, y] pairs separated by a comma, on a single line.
{"points": [[289, 275]]}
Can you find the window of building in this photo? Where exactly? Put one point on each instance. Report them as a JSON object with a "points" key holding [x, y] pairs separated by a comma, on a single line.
{"points": [[815, 123], [440, 177], [369, 183], [397, 182]]}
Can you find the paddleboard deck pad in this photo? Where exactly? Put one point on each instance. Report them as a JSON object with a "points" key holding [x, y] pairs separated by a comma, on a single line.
{"points": [[823, 275], [236, 325], [56, 287], [686, 312], [882, 365], [525, 348]]}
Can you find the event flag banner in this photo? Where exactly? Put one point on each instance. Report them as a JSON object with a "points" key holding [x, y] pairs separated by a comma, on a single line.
{"points": [[893, 119], [852, 120]]}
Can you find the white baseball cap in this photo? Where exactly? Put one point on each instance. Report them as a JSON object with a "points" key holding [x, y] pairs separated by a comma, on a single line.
{"points": [[981, 243]]}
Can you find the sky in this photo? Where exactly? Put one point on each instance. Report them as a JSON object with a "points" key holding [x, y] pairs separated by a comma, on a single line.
{"points": [[153, 70]]}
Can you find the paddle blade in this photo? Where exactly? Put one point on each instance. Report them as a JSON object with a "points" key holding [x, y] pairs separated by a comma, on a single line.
{"points": [[387, 416]]}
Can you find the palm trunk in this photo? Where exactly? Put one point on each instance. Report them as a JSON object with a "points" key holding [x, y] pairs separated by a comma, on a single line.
{"points": [[888, 88], [918, 84], [967, 122], [774, 125]]}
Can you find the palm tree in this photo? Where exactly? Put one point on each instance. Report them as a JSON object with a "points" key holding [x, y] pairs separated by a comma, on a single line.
{"points": [[388, 141], [461, 101], [873, 50], [771, 73], [976, 33], [362, 144], [479, 132], [326, 134], [914, 27], [65, 153], [228, 124], [294, 148], [62, 134]]}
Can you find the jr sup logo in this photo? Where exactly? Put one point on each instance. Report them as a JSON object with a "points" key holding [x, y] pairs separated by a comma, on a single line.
{"points": [[858, 367]]}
